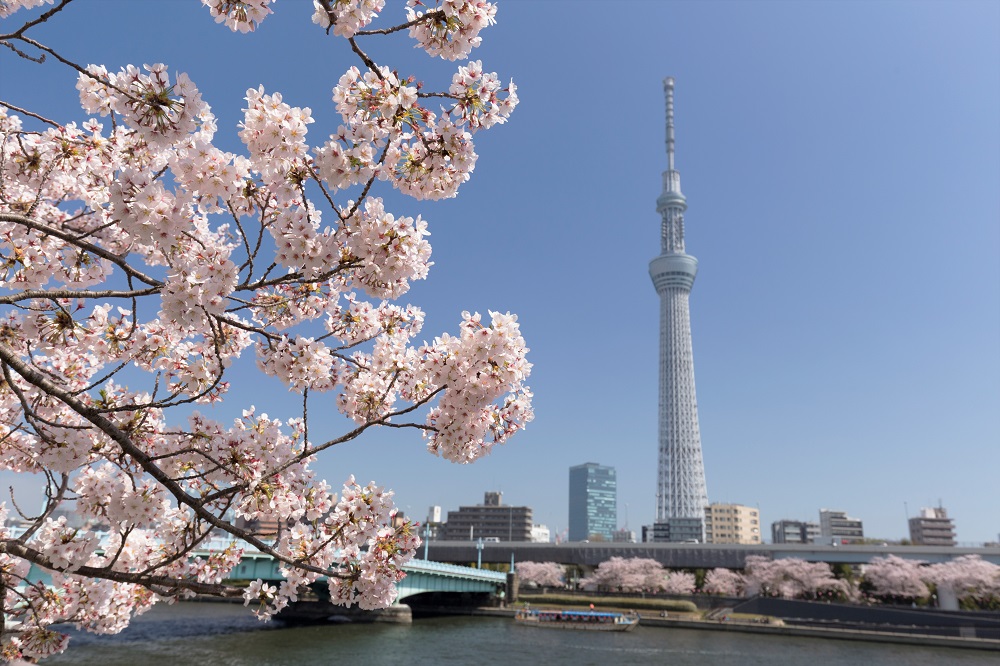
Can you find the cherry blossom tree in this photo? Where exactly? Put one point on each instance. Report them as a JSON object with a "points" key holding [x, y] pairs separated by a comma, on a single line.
{"points": [[723, 582], [139, 262], [678, 582], [792, 578], [620, 574], [542, 574], [893, 579], [971, 579], [967, 579]]}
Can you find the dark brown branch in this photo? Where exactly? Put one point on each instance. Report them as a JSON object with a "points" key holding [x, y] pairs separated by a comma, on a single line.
{"points": [[41, 19], [29, 294], [369, 63], [69, 238], [39, 59], [130, 449], [435, 15], [25, 112], [144, 579]]}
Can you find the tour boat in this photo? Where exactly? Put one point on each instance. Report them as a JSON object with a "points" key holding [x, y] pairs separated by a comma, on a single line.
{"points": [[582, 620]]}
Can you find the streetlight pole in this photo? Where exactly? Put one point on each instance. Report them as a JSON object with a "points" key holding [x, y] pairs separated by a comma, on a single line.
{"points": [[479, 553], [427, 539]]}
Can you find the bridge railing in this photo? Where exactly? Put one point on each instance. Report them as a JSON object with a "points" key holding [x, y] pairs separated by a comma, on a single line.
{"points": [[442, 569]]}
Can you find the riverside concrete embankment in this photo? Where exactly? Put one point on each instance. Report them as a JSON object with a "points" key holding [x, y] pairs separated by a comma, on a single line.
{"points": [[835, 633]]}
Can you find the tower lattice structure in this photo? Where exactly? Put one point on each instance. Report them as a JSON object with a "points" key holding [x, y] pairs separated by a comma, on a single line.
{"points": [[681, 495]]}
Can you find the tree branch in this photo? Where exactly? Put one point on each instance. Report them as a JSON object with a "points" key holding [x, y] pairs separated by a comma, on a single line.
{"points": [[89, 247]]}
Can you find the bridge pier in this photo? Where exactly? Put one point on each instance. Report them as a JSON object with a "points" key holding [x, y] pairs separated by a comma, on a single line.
{"points": [[512, 586], [395, 614], [323, 612]]}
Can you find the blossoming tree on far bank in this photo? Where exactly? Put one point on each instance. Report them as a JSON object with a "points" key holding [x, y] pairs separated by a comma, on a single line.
{"points": [[619, 574], [138, 261], [541, 574]]}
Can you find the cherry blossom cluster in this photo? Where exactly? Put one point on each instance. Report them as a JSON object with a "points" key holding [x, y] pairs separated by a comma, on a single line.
{"points": [[792, 578], [890, 579], [275, 134], [434, 163], [346, 17], [215, 175], [452, 30], [487, 362], [541, 574], [893, 578], [139, 262], [478, 103], [8, 7], [301, 363], [390, 250], [239, 15], [377, 99], [970, 580], [99, 606], [619, 574], [160, 111], [723, 582], [390, 136], [678, 582], [358, 539], [360, 321]]}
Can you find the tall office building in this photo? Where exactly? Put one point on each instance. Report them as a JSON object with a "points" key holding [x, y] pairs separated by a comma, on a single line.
{"points": [[593, 502], [681, 495]]}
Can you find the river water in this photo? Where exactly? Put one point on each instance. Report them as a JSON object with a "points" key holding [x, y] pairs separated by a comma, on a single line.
{"points": [[192, 634]]}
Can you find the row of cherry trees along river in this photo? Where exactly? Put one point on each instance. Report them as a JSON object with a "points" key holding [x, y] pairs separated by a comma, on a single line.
{"points": [[969, 579], [138, 261]]}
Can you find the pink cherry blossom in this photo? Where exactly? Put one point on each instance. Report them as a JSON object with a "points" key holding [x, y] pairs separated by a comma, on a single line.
{"points": [[452, 26], [895, 579], [620, 574], [8, 7], [792, 578], [542, 574], [239, 15], [723, 582]]}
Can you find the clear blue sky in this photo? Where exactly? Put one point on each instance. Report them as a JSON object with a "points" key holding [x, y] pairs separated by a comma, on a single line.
{"points": [[842, 167]]}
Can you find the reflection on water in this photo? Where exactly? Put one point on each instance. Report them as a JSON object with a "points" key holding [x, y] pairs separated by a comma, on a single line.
{"points": [[228, 635]]}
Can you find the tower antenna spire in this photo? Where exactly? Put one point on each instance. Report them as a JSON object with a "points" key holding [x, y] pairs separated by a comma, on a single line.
{"points": [[668, 92]]}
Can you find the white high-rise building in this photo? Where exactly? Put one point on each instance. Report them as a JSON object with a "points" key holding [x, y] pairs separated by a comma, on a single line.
{"points": [[681, 495]]}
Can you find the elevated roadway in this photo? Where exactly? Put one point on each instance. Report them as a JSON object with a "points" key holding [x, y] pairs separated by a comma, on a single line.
{"points": [[690, 556]]}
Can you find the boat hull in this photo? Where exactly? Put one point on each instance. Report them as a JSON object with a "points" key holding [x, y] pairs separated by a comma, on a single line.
{"points": [[577, 620]]}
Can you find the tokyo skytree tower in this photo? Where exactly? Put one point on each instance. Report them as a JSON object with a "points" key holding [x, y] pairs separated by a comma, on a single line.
{"points": [[681, 496]]}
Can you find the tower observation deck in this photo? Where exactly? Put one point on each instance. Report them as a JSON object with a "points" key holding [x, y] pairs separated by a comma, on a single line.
{"points": [[681, 495]]}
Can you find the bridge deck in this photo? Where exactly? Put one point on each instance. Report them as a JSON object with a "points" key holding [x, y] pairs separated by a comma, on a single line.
{"points": [[694, 556]]}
